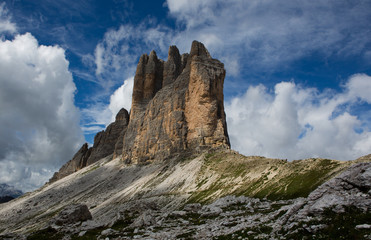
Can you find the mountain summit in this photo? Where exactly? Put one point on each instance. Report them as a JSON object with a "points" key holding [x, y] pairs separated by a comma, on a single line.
{"points": [[177, 108]]}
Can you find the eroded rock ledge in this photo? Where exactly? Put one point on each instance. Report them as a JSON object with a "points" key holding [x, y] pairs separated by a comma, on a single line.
{"points": [[177, 106]]}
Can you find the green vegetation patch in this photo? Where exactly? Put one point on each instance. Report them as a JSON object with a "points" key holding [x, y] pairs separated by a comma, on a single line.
{"points": [[195, 218], [91, 169], [205, 196], [278, 180], [300, 182]]}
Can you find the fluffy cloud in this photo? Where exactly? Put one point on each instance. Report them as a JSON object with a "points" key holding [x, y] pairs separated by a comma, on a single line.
{"points": [[39, 122], [268, 34], [359, 87], [5, 20], [117, 54], [296, 122], [116, 57], [121, 98], [98, 116]]}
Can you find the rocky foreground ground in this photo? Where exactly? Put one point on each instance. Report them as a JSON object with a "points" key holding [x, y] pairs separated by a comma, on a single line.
{"points": [[338, 209]]}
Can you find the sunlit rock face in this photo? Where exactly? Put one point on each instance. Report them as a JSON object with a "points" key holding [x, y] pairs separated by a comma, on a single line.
{"points": [[177, 106]]}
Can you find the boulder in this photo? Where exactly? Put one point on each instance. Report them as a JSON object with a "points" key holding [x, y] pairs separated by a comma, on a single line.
{"points": [[72, 214]]}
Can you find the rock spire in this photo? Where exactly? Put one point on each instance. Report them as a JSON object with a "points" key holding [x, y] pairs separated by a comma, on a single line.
{"points": [[177, 106]]}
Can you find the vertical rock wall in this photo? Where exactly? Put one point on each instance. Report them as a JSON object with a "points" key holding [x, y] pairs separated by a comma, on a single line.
{"points": [[177, 106]]}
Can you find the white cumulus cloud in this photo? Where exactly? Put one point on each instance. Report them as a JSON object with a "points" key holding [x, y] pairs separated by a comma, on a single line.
{"points": [[296, 122], [39, 123], [99, 116], [6, 25], [359, 87], [121, 98]]}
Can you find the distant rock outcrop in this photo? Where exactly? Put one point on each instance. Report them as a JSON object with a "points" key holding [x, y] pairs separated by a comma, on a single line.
{"points": [[177, 107], [76, 163], [7, 193], [104, 145], [105, 141]]}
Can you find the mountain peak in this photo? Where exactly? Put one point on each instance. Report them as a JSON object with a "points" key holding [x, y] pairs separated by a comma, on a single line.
{"points": [[8, 192], [199, 49], [177, 107]]}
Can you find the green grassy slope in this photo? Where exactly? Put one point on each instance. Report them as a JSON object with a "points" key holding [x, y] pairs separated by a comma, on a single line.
{"points": [[225, 173]]}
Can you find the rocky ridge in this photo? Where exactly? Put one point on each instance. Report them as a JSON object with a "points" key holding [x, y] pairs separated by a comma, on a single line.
{"points": [[105, 143], [177, 107]]}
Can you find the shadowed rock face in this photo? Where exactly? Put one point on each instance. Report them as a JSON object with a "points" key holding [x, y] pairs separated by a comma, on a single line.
{"points": [[104, 145], [76, 163], [105, 141], [177, 106]]}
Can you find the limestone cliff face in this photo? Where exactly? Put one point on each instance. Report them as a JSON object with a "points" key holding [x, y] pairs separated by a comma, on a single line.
{"points": [[204, 108], [104, 145], [105, 141], [177, 106]]}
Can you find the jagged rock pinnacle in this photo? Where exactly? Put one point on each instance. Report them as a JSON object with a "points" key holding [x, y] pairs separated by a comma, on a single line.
{"points": [[185, 114], [198, 49], [177, 107], [105, 143], [173, 66]]}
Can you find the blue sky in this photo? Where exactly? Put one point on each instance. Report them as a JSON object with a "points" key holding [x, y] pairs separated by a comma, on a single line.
{"points": [[298, 74]]}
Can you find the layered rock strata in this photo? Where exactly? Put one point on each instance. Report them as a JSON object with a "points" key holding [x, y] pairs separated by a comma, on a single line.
{"points": [[105, 143], [177, 106]]}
